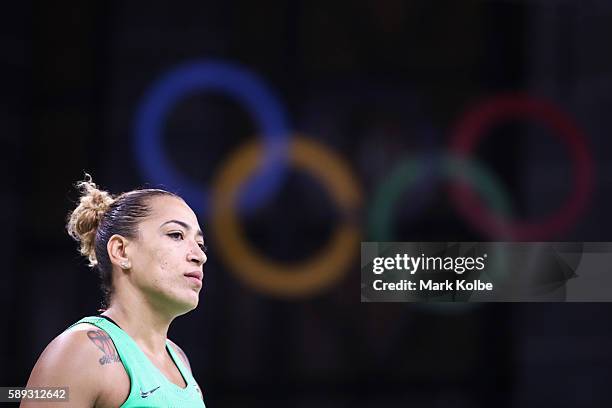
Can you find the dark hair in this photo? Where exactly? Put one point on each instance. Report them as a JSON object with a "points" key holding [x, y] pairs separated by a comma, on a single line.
{"points": [[99, 216]]}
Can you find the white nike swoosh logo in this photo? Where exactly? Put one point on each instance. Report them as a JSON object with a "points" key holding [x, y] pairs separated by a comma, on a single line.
{"points": [[145, 394]]}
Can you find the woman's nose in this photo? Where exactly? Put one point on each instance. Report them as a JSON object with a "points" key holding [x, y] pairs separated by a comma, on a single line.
{"points": [[198, 256]]}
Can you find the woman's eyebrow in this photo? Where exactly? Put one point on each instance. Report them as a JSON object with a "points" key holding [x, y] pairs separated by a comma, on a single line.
{"points": [[184, 225]]}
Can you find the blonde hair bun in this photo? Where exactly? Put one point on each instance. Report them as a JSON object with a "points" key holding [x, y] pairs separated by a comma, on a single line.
{"points": [[83, 222]]}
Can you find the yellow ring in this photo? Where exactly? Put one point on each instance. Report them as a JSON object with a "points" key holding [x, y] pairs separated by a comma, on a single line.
{"points": [[287, 279]]}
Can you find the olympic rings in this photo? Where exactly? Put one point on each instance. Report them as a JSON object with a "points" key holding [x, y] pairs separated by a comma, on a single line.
{"points": [[255, 171], [507, 107], [238, 83], [288, 280]]}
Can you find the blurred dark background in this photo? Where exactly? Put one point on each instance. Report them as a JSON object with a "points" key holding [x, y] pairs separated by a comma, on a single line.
{"points": [[374, 82]]}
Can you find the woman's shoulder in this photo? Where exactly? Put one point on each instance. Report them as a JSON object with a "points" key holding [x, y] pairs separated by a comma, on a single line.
{"points": [[91, 342], [84, 359], [79, 350]]}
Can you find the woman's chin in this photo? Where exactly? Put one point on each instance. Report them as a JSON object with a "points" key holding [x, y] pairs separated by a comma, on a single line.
{"points": [[190, 301], [182, 303]]}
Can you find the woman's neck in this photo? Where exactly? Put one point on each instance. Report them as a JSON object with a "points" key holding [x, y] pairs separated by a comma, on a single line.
{"points": [[147, 327]]}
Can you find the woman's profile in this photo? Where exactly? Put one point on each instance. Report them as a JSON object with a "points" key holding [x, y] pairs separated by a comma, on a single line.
{"points": [[149, 250]]}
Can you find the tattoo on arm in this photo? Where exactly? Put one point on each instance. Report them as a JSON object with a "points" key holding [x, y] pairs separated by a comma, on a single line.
{"points": [[105, 344]]}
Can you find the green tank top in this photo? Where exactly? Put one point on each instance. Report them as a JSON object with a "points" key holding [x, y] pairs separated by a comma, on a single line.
{"points": [[148, 386]]}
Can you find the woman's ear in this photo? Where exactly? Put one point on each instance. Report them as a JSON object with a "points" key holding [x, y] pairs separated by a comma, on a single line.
{"points": [[117, 251]]}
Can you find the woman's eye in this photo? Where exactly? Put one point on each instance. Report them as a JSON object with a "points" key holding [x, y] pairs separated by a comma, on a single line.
{"points": [[176, 235]]}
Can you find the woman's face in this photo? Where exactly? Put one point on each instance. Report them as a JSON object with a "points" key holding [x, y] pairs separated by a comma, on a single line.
{"points": [[167, 258]]}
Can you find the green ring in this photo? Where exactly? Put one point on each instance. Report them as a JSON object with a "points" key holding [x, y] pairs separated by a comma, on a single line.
{"points": [[410, 170]]}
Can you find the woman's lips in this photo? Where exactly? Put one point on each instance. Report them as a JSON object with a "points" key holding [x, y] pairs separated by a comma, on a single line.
{"points": [[195, 277]]}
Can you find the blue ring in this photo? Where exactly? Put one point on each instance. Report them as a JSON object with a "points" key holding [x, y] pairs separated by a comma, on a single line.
{"points": [[245, 88]]}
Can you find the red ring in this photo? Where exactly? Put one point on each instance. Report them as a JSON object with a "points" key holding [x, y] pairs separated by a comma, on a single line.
{"points": [[472, 127]]}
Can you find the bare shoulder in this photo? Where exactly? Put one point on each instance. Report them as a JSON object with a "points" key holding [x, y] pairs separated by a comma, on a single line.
{"points": [[84, 359], [181, 354]]}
